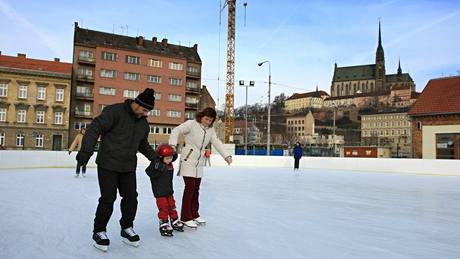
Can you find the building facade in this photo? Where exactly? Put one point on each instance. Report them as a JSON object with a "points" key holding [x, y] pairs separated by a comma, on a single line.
{"points": [[435, 119], [388, 128], [372, 78], [109, 68], [301, 101], [34, 103]]}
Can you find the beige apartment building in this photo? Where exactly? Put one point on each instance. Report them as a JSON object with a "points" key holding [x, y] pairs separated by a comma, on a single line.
{"points": [[34, 103], [390, 128]]}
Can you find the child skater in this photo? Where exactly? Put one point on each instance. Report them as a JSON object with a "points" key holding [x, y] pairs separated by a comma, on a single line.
{"points": [[161, 175]]}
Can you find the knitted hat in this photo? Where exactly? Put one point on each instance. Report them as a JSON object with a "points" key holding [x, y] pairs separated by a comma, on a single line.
{"points": [[146, 99]]}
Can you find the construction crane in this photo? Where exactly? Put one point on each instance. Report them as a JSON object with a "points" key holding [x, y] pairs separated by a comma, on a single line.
{"points": [[229, 96]]}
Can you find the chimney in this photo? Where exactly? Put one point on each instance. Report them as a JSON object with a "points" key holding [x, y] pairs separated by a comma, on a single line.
{"points": [[195, 47], [140, 40], [20, 55], [76, 24], [164, 42], [56, 60]]}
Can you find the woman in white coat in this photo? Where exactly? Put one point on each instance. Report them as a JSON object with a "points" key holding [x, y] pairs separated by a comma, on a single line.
{"points": [[198, 134]]}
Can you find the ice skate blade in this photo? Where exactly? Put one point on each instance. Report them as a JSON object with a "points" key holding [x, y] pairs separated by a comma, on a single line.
{"points": [[167, 234], [126, 241], [101, 247]]}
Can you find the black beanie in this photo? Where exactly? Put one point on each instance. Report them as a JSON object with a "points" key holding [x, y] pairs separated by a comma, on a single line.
{"points": [[146, 99]]}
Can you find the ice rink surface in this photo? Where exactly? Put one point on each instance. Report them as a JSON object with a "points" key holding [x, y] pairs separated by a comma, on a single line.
{"points": [[251, 213]]}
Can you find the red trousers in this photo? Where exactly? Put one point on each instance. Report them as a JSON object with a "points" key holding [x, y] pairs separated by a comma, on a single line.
{"points": [[190, 204], [166, 207]]}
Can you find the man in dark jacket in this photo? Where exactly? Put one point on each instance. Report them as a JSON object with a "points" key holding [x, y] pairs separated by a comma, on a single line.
{"points": [[297, 155], [123, 130]]}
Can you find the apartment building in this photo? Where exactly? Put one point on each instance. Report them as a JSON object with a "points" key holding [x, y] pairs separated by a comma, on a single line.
{"points": [[109, 68], [34, 103]]}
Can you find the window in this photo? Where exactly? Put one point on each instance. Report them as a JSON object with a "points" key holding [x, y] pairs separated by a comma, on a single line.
{"points": [[154, 130], [155, 63], [192, 85], [154, 79], [174, 98], [22, 92], [167, 130], [40, 117], [175, 66], [102, 107], [419, 125], [2, 138], [109, 56], [132, 76], [107, 91], [41, 93], [154, 112], [59, 95], [86, 73], [132, 59], [157, 96], [39, 140], [83, 109], [107, 73], [3, 90], [84, 91], [175, 81], [3, 114], [446, 145], [86, 55], [21, 116], [58, 118], [174, 114], [189, 115], [79, 125], [193, 69], [130, 93], [20, 140]]}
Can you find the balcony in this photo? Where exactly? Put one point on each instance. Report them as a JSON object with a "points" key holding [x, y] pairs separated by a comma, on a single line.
{"points": [[87, 60], [189, 105], [193, 90], [85, 78], [84, 95], [194, 74], [83, 114]]}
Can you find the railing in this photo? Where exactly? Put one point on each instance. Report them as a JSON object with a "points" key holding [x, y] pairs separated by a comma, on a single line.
{"points": [[192, 89], [84, 94], [87, 59], [85, 77], [193, 73], [83, 113]]}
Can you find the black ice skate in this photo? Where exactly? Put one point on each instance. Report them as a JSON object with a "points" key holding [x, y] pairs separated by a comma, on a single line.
{"points": [[165, 229], [130, 237], [101, 241], [177, 225]]}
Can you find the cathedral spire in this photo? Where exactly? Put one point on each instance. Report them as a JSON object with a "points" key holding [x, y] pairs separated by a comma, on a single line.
{"points": [[399, 67], [380, 35], [380, 74]]}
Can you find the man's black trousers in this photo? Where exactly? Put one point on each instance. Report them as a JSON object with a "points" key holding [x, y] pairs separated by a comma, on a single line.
{"points": [[109, 182]]}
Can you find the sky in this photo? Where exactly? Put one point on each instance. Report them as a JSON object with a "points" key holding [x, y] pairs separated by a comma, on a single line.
{"points": [[301, 39]]}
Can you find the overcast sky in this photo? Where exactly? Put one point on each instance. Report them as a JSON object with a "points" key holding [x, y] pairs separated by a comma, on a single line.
{"points": [[301, 39]]}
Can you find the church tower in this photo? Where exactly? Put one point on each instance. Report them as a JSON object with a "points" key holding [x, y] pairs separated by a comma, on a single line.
{"points": [[379, 66]]}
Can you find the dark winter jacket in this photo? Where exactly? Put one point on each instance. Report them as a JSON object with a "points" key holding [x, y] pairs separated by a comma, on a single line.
{"points": [[122, 135], [161, 178], [298, 152]]}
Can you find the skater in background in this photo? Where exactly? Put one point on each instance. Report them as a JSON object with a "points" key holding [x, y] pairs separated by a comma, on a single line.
{"points": [[297, 155], [75, 146], [161, 174], [207, 157], [198, 134], [123, 129]]}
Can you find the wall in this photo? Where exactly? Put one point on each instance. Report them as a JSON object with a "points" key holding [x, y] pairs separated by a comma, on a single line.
{"points": [[429, 138], [11, 159]]}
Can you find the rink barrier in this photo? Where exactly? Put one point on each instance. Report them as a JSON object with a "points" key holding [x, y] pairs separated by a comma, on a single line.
{"points": [[12, 159]]}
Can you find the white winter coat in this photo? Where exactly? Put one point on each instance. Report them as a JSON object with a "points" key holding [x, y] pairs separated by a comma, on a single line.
{"points": [[197, 137]]}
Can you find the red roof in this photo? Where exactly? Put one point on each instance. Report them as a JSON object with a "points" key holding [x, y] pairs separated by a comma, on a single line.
{"points": [[318, 94], [440, 96], [22, 62]]}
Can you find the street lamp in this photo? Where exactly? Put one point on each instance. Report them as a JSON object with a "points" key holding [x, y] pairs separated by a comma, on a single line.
{"points": [[269, 102], [251, 83]]}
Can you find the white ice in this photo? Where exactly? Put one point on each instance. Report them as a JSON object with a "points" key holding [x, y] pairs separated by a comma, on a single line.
{"points": [[250, 213]]}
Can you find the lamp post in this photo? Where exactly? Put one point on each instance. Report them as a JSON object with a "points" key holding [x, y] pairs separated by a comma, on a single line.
{"points": [[269, 102], [251, 83]]}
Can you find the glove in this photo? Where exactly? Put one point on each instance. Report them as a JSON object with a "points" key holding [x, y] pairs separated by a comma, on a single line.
{"points": [[174, 157], [83, 157], [70, 152]]}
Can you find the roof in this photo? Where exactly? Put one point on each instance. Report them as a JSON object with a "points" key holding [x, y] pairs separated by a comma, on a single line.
{"points": [[386, 110], [440, 96], [354, 73], [317, 94], [405, 77], [22, 62], [96, 38]]}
